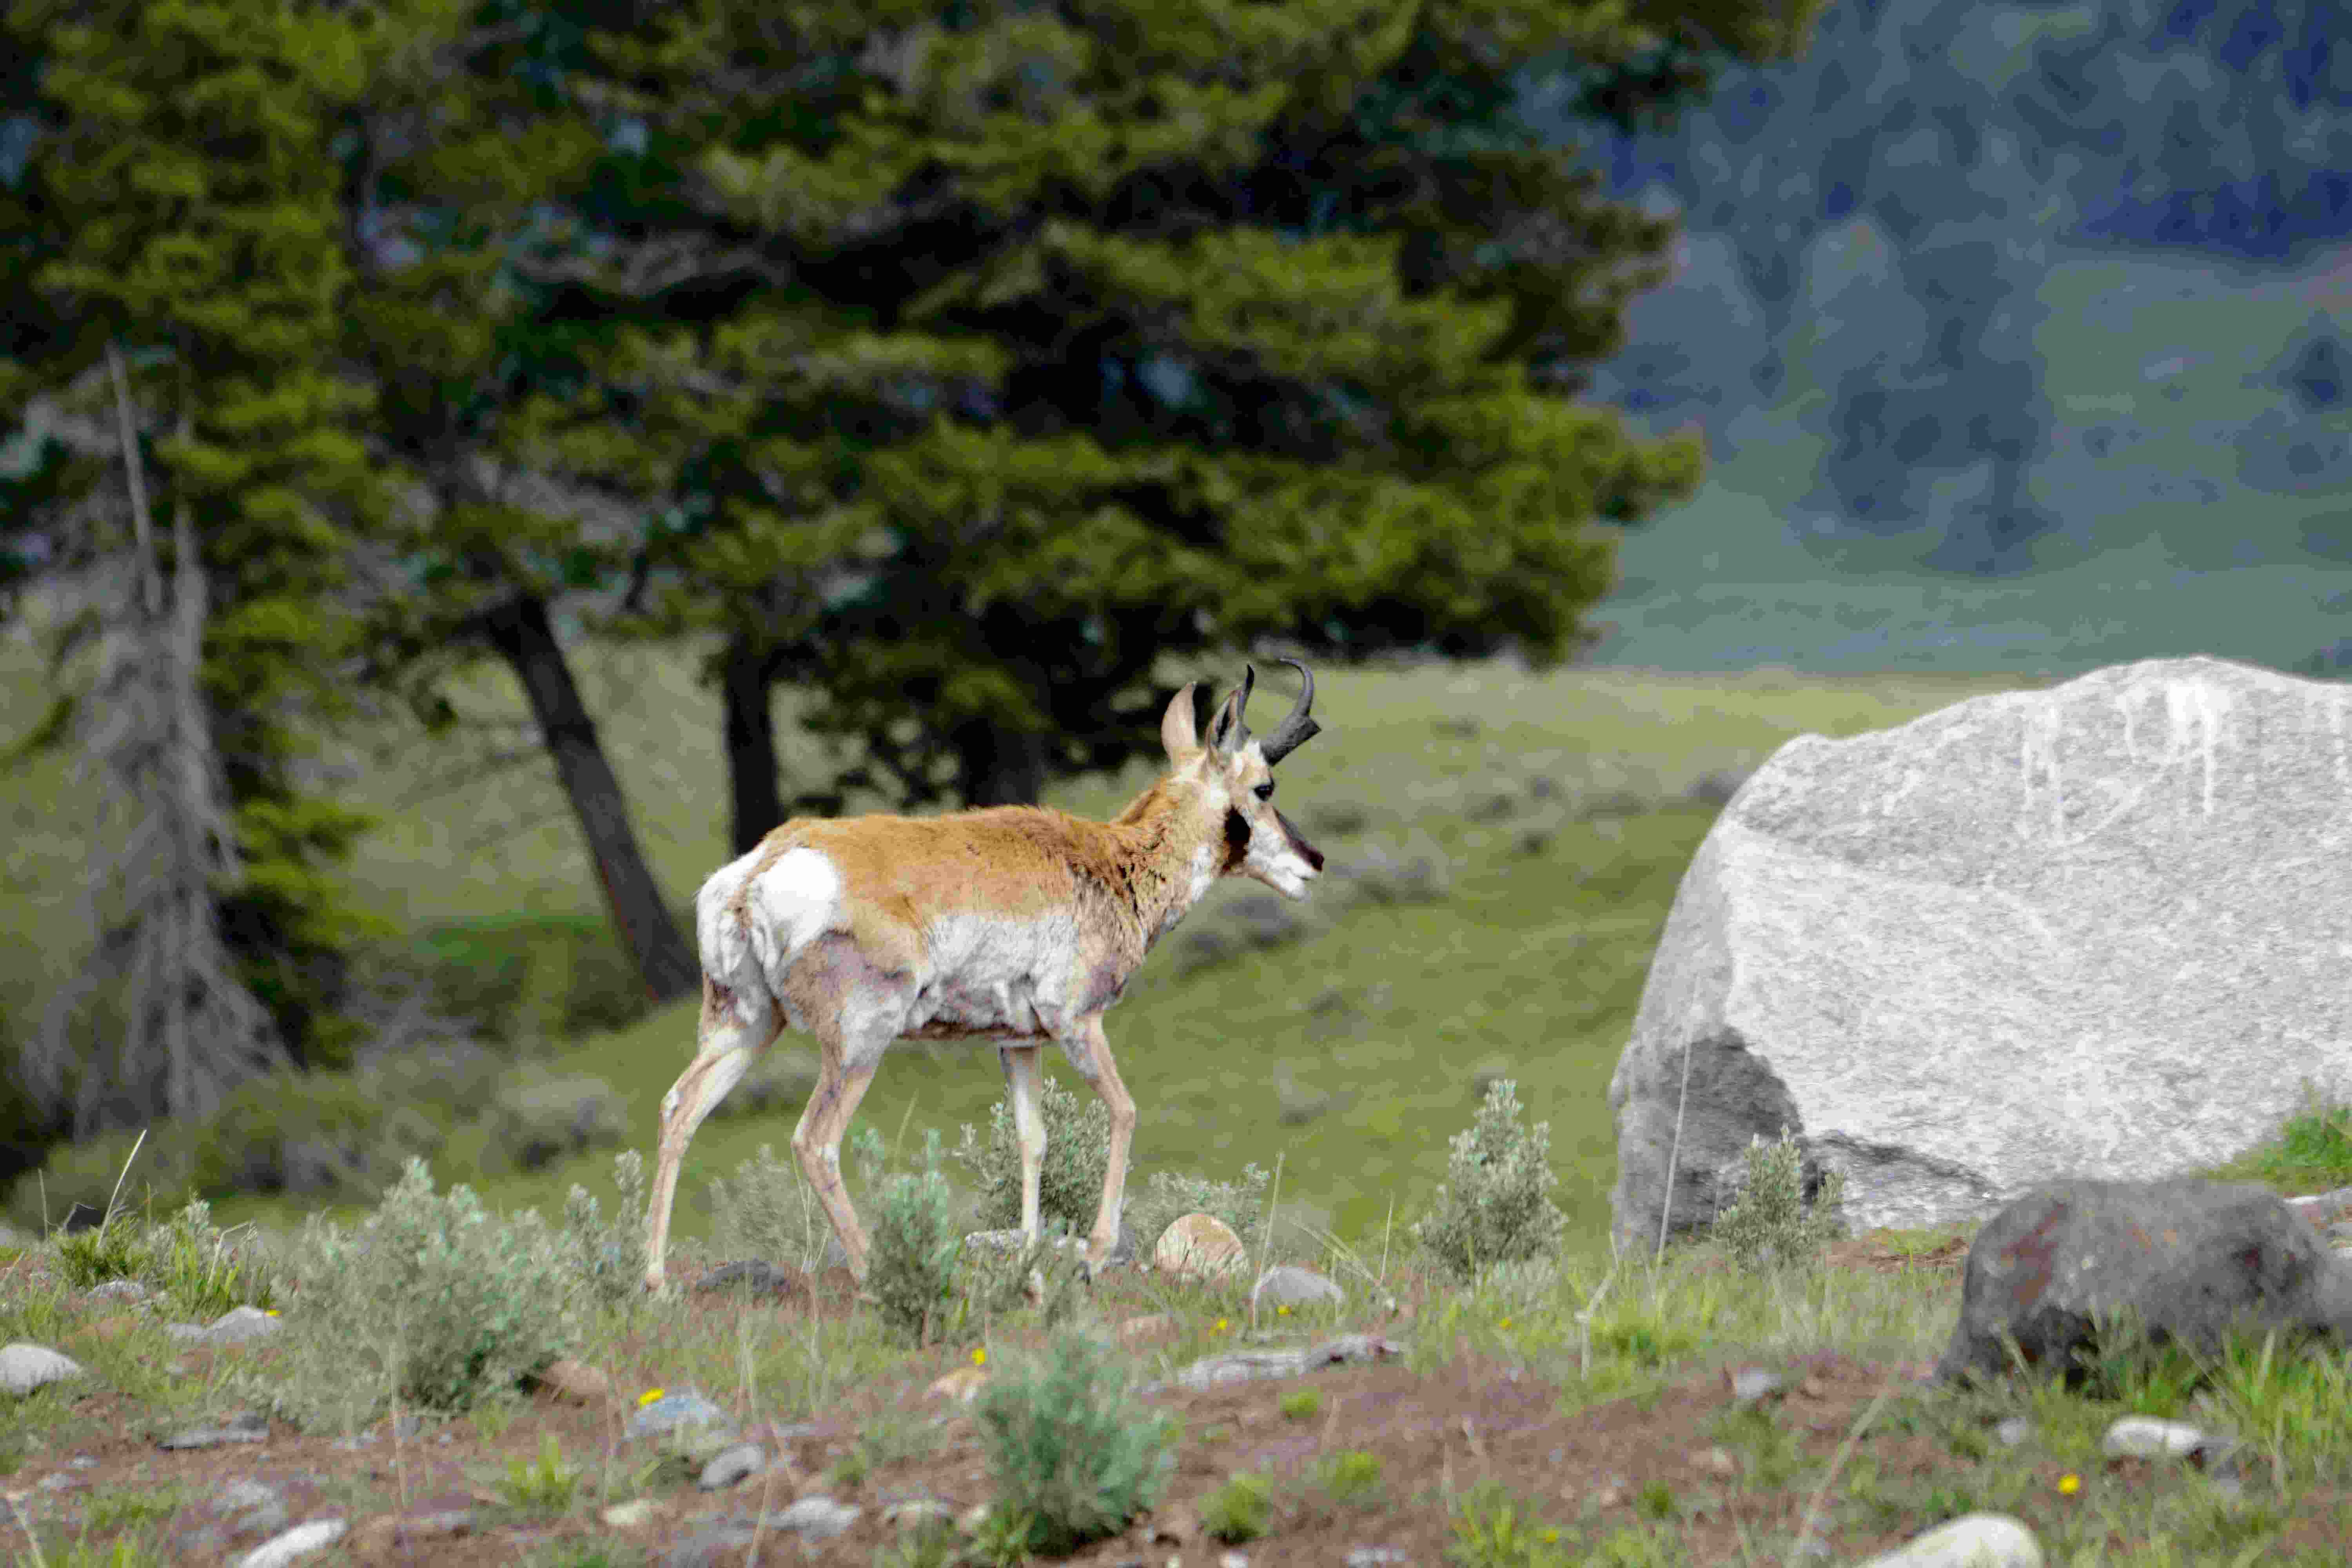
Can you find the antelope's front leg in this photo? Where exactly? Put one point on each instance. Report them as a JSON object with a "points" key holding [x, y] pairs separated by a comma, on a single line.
{"points": [[1090, 1054]]}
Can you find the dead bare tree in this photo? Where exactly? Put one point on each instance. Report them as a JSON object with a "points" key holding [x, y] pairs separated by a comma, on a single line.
{"points": [[158, 1021]]}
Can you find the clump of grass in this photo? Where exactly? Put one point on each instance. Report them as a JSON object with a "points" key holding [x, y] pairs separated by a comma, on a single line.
{"points": [[1769, 1225], [199, 1270], [767, 1211], [1071, 1450], [1492, 1528], [2312, 1152], [912, 1269], [1349, 1475], [1240, 1510], [546, 1485], [1070, 1176], [431, 1301], [1496, 1206], [1301, 1404]]}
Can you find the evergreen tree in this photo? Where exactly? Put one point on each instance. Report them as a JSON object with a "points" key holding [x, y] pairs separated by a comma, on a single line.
{"points": [[457, 169], [177, 213], [1048, 349]]}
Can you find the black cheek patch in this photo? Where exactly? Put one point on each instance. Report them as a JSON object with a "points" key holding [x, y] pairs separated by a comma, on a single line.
{"points": [[1238, 837]]}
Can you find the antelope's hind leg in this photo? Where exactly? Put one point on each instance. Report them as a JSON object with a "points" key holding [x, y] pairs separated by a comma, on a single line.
{"points": [[726, 1045], [1089, 1053]]}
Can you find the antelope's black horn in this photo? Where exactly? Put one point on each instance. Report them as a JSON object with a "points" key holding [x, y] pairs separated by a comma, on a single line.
{"points": [[1298, 726]]}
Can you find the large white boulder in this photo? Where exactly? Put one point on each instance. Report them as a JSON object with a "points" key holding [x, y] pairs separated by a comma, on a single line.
{"points": [[2100, 930]]}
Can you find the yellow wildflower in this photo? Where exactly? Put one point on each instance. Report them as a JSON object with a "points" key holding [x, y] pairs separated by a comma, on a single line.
{"points": [[648, 1396], [2070, 1483]]}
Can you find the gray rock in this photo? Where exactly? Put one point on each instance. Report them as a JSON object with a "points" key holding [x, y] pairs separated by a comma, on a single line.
{"points": [[1971, 1541], [726, 1541], [1926, 951], [244, 1426], [674, 1411], [250, 1508], [186, 1334], [1755, 1385], [915, 1512], [242, 1325], [2148, 1438], [294, 1545], [2012, 1432], [816, 1518], [1244, 1366], [24, 1368], [754, 1277], [2187, 1259], [1375, 1556], [731, 1465], [1287, 1286], [119, 1290]]}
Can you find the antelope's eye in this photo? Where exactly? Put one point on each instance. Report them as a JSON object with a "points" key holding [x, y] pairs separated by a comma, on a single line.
{"points": [[1264, 791]]}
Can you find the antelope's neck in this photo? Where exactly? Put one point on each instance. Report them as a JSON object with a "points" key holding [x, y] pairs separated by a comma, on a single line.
{"points": [[1161, 863]]}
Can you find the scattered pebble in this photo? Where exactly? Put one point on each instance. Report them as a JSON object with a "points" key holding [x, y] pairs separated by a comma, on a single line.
{"points": [[629, 1515], [1754, 1384], [2012, 1432], [119, 1290], [817, 1518], [2147, 1437], [246, 1427], [672, 1411], [294, 1545], [1286, 1285], [732, 1465], [242, 1325]]}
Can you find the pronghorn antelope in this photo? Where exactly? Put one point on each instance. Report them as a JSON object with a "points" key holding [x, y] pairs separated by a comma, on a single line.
{"points": [[1017, 924]]}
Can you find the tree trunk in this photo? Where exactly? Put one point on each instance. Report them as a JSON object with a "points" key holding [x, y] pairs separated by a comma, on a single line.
{"points": [[746, 674], [523, 637], [999, 767]]}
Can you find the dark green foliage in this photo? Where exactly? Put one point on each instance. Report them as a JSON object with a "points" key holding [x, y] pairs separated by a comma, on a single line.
{"points": [[176, 208], [1027, 357], [1072, 1453]]}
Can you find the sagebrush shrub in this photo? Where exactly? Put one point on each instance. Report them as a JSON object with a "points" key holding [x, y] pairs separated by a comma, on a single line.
{"points": [[431, 1301], [1768, 1225], [767, 1211], [1072, 1453], [1070, 1177], [607, 1255], [1495, 1206], [910, 1266]]}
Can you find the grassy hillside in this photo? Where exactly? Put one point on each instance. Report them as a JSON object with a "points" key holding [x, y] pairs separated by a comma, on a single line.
{"points": [[1553, 810]]}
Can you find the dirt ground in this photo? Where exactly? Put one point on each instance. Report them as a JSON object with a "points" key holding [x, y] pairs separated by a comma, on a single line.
{"points": [[1475, 1417]]}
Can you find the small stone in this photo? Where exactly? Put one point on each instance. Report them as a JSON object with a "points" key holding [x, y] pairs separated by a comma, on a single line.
{"points": [[1286, 1285], [119, 1290], [251, 1508], [959, 1385], [244, 1426], [2147, 1437], [1233, 1560], [672, 1411], [575, 1381], [629, 1515], [24, 1368], [732, 1465], [1374, 1556], [754, 1277], [295, 1544], [1198, 1245], [2012, 1432], [242, 1325], [972, 1519], [1754, 1384], [1717, 1462], [817, 1518], [726, 1541], [914, 1512], [1972, 1541], [186, 1334]]}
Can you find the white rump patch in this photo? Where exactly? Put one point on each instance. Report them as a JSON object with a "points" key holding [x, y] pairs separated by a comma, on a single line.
{"points": [[792, 903], [789, 906]]}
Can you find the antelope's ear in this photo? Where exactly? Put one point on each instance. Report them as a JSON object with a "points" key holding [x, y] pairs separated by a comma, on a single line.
{"points": [[1179, 730]]}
